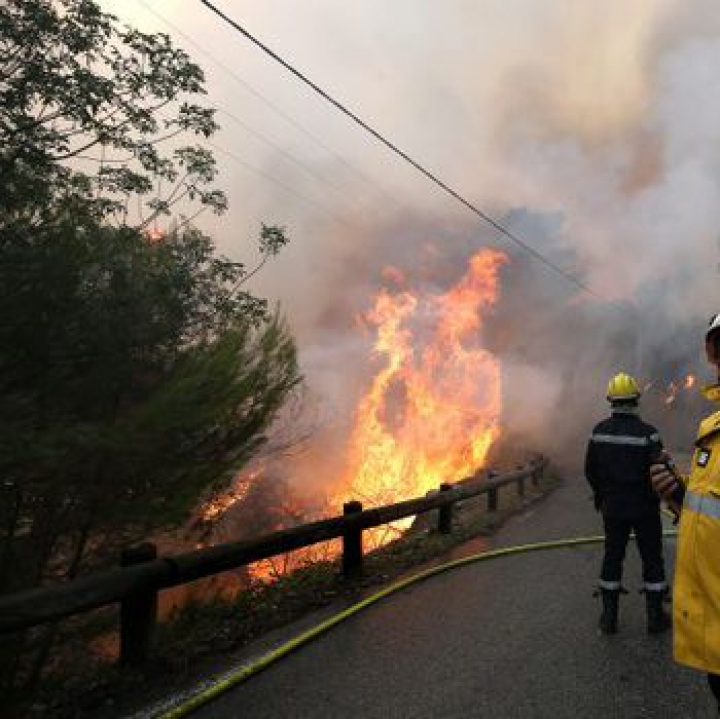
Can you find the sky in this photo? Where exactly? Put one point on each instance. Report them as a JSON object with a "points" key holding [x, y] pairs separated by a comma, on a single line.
{"points": [[592, 129]]}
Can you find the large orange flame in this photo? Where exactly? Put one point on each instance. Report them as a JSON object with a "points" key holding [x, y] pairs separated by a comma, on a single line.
{"points": [[432, 411]]}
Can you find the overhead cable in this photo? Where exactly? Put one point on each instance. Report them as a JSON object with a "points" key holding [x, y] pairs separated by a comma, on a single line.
{"points": [[287, 188], [269, 103], [401, 153]]}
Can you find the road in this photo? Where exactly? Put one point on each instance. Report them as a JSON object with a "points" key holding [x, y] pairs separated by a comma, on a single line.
{"points": [[513, 637]]}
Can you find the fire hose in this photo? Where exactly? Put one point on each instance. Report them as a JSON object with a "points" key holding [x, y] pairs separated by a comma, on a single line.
{"points": [[218, 686]]}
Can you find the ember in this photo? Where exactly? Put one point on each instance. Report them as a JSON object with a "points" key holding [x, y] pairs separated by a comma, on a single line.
{"points": [[217, 506], [674, 387]]}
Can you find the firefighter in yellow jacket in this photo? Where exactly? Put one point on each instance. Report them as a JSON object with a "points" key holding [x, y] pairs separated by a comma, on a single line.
{"points": [[696, 590]]}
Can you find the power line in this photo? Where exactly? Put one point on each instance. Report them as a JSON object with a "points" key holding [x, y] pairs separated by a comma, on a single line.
{"points": [[401, 153], [238, 121], [288, 156], [287, 188], [278, 110]]}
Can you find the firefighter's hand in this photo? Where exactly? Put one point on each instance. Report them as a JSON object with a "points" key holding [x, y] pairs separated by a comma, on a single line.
{"points": [[663, 480]]}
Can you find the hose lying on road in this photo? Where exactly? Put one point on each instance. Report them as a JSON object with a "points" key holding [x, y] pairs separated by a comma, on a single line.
{"points": [[216, 687]]}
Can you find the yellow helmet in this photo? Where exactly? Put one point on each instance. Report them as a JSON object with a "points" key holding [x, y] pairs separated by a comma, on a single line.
{"points": [[622, 387]]}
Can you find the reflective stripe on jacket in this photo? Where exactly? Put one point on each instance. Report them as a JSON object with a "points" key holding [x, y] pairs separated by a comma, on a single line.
{"points": [[617, 465], [696, 590]]}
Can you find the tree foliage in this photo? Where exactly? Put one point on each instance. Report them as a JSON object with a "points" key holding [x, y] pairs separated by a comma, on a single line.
{"points": [[130, 377], [132, 381], [134, 374], [91, 117]]}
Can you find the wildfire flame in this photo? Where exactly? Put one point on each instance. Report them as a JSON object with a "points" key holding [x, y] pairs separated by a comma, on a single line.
{"points": [[218, 505], [431, 413], [155, 235]]}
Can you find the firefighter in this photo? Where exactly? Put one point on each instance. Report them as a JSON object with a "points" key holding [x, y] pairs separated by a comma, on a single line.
{"points": [[617, 466], [696, 589]]}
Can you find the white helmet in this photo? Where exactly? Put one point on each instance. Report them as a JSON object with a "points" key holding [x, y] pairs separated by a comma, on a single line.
{"points": [[712, 339], [714, 325]]}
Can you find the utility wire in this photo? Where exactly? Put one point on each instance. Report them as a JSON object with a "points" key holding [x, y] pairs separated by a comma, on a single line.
{"points": [[238, 121], [401, 153], [287, 188], [278, 110], [288, 156]]}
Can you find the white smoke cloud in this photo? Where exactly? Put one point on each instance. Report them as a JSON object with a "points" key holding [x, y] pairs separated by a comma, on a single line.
{"points": [[592, 128]]}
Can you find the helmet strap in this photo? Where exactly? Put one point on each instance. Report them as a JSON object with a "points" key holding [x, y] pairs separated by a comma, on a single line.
{"points": [[712, 345]]}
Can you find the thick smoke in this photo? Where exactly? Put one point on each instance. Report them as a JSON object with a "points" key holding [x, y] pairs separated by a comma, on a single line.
{"points": [[591, 129]]}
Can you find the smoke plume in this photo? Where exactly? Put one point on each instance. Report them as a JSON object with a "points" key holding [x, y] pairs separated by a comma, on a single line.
{"points": [[592, 130]]}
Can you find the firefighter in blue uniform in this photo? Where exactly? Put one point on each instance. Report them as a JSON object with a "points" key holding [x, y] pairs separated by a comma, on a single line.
{"points": [[617, 466]]}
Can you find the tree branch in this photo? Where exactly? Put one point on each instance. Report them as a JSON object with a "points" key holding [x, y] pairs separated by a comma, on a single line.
{"points": [[36, 123], [168, 203], [115, 128]]}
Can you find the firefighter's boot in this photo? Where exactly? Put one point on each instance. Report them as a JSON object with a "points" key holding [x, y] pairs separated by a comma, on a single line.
{"points": [[609, 618], [658, 620]]}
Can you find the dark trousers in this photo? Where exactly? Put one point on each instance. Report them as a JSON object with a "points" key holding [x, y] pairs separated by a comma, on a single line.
{"points": [[648, 533], [714, 682]]}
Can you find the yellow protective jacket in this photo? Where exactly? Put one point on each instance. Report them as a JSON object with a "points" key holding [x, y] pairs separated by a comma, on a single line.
{"points": [[696, 590]]}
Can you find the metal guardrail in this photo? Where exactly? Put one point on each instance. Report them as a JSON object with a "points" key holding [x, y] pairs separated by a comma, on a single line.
{"points": [[136, 583]]}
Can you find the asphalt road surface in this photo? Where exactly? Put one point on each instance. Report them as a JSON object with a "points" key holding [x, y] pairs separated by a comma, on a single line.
{"points": [[513, 637]]}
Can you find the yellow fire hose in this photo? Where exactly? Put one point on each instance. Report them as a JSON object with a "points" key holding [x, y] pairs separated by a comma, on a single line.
{"points": [[223, 684]]}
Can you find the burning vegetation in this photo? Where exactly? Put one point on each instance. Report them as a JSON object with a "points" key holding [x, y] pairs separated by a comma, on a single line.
{"points": [[430, 413]]}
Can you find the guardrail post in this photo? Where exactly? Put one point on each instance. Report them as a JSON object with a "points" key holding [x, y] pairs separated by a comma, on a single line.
{"points": [[492, 494], [138, 612], [445, 513], [352, 557], [521, 482], [537, 469]]}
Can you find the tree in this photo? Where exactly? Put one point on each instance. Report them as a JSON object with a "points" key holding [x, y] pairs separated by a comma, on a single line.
{"points": [[131, 376], [90, 118], [134, 378], [134, 375]]}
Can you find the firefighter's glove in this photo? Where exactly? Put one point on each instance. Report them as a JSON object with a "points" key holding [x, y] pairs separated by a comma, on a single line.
{"points": [[664, 480]]}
